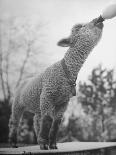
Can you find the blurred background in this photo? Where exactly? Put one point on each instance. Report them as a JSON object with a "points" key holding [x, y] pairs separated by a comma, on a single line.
{"points": [[29, 32]]}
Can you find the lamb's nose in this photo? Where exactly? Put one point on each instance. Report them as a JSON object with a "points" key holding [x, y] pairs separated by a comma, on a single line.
{"points": [[97, 20]]}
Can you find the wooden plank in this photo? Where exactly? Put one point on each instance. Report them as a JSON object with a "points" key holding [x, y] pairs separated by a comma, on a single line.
{"points": [[62, 148]]}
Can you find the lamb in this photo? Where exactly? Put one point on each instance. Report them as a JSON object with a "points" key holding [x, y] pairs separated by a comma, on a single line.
{"points": [[47, 95]]}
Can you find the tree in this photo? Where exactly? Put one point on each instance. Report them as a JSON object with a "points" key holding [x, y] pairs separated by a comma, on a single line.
{"points": [[21, 47], [98, 98], [26, 133]]}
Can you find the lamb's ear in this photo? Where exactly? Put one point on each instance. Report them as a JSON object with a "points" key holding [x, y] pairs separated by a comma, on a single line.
{"points": [[64, 42]]}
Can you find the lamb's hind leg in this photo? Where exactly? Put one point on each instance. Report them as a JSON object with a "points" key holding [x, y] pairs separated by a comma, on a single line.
{"points": [[36, 123], [17, 112]]}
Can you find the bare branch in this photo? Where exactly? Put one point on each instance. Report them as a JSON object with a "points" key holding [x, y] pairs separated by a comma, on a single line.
{"points": [[1, 69], [24, 64], [1, 76], [22, 39], [7, 76]]}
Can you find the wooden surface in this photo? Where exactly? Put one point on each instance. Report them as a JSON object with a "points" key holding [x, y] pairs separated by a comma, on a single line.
{"points": [[62, 147]]}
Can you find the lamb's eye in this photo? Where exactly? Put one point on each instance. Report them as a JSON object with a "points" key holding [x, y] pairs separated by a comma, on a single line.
{"points": [[78, 27]]}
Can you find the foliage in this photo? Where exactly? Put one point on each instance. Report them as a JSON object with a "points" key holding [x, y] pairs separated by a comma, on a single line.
{"points": [[77, 129], [98, 98], [68, 133], [26, 133]]}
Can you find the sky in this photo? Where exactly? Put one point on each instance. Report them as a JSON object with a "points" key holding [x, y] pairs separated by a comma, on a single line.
{"points": [[60, 16]]}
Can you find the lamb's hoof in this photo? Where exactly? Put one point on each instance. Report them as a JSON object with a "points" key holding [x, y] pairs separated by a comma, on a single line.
{"points": [[53, 146], [43, 146]]}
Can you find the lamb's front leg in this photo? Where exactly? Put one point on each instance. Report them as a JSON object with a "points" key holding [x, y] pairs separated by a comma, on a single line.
{"points": [[58, 115], [45, 122], [45, 125], [53, 133]]}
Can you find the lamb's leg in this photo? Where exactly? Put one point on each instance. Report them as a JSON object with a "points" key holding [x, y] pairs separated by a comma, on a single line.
{"points": [[53, 133], [43, 138], [17, 112], [36, 123], [58, 114]]}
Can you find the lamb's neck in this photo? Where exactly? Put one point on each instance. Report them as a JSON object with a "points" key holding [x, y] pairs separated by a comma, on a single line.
{"points": [[74, 61]]}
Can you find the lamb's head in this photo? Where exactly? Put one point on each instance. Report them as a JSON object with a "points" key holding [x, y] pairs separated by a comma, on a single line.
{"points": [[83, 35]]}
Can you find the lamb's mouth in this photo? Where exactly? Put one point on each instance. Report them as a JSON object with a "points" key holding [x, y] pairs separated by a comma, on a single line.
{"points": [[99, 25], [99, 22]]}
